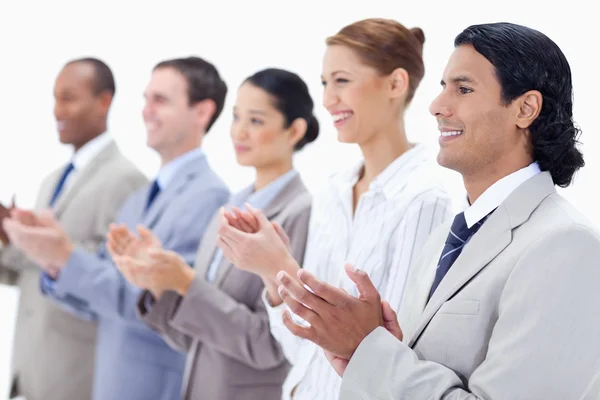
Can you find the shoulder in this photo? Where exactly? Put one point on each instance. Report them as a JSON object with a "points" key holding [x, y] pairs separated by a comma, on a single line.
{"points": [[555, 216], [557, 238], [209, 180]]}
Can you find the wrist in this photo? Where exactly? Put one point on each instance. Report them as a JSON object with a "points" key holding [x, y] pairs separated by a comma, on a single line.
{"points": [[288, 265], [65, 255], [272, 294], [187, 277]]}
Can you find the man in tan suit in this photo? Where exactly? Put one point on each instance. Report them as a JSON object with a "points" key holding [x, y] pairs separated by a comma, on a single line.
{"points": [[53, 353], [504, 299]]}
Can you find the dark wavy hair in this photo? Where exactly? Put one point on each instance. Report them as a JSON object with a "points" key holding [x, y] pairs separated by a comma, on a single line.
{"points": [[525, 59]]}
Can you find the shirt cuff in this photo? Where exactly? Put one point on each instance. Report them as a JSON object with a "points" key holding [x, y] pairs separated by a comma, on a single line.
{"points": [[149, 301], [275, 312], [47, 283]]}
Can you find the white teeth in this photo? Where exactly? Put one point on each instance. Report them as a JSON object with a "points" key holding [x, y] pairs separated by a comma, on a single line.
{"points": [[451, 133], [341, 116]]}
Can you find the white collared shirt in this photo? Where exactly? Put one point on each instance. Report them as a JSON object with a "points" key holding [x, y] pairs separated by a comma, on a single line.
{"points": [[382, 237], [82, 158], [498, 192]]}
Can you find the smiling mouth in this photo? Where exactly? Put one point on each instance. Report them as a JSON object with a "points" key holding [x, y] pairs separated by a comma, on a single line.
{"points": [[341, 117], [451, 133]]}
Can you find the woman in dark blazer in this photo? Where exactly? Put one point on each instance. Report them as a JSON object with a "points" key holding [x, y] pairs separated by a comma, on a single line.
{"points": [[214, 311]]}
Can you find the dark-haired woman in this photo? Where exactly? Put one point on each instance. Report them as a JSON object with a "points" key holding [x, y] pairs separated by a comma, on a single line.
{"points": [[214, 311]]}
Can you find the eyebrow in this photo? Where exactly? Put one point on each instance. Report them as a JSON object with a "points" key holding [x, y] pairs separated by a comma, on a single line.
{"points": [[334, 73], [158, 96], [251, 111], [459, 79]]}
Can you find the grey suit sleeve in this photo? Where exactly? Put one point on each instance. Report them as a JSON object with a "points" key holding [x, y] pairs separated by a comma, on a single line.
{"points": [[157, 314], [211, 316], [544, 344]]}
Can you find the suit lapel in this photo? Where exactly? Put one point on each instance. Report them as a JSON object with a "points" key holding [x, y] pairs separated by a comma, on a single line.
{"points": [[83, 178], [493, 237], [292, 190], [208, 248], [183, 177]]}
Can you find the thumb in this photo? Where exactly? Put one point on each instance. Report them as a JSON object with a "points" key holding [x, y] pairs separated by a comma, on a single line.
{"points": [[281, 233], [390, 320], [46, 218], [260, 217], [366, 289], [146, 234]]}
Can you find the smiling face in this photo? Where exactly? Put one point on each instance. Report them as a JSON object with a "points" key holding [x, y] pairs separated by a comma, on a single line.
{"points": [[357, 96], [80, 112], [477, 131], [168, 115], [258, 130]]}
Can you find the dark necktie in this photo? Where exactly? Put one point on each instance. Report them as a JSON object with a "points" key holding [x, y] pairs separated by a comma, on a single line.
{"points": [[457, 238], [154, 191], [61, 183]]}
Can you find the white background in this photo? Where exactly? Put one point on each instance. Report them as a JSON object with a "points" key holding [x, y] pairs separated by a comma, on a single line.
{"points": [[241, 37]]}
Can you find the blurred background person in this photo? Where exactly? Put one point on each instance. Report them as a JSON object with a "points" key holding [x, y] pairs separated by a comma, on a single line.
{"points": [[53, 353], [184, 98], [214, 310]]}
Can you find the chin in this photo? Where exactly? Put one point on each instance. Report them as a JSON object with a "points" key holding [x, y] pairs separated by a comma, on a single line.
{"points": [[244, 161], [346, 137], [65, 139], [447, 161]]}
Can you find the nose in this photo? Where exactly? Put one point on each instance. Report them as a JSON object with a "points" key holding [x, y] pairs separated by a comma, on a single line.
{"points": [[238, 130], [58, 111], [147, 111], [330, 97], [440, 106]]}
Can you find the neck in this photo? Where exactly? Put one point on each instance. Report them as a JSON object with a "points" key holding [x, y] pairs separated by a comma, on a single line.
{"points": [[267, 175], [77, 146], [483, 178], [168, 155], [382, 150]]}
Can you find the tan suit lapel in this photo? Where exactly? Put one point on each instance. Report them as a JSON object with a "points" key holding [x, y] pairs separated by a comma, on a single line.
{"points": [[83, 178], [493, 237]]}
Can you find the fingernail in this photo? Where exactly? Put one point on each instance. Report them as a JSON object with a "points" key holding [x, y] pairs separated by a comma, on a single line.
{"points": [[280, 275], [280, 290]]}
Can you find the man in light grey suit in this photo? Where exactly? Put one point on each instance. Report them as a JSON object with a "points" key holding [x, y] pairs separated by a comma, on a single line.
{"points": [[593, 390], [183, 100], [53, 353], [504, 297]]}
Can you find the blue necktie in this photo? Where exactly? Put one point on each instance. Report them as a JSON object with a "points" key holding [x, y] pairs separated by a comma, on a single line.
{"points": [[61, 183], [457, 238], [154, 191]]}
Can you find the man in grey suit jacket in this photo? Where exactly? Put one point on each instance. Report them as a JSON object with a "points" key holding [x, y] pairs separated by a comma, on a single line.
{"points": [[53, 353], [183, 100], [497, 293]]}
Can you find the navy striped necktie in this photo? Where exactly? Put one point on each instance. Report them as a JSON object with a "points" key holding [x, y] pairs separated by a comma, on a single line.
{"points": [[457, 238], [61, 183], [154, 191]]}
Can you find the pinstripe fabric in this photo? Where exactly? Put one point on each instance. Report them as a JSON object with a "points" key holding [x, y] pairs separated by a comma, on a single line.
{"points": [[392, 222]]}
